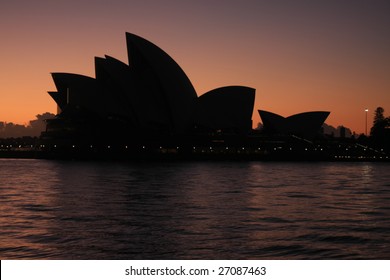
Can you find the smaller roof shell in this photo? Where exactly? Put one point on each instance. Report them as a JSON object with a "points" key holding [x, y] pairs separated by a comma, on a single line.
{"points": [[228, 107], [306, 123]]}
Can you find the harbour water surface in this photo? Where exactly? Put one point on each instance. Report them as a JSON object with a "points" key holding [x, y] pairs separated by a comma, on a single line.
{"points": [[194, 210]]}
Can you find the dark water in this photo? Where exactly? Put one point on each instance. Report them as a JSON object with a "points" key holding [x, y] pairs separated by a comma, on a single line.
{"points": [[194, 210]]}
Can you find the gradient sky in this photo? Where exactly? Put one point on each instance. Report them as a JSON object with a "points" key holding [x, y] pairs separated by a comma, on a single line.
{"points": [[299, 55]]}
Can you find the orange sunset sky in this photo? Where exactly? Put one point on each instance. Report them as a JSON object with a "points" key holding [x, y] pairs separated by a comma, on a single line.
{"points": [[299, 55]]}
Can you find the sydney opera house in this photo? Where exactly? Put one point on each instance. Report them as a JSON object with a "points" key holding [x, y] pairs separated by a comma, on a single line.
{"points": [[149, 98], [150, 103]]}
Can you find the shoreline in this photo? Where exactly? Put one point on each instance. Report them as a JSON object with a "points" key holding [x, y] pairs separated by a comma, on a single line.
{"points": [[156, 156]]}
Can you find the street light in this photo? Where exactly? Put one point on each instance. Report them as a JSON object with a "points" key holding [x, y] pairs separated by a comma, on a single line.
{"points": [[366, 110]]}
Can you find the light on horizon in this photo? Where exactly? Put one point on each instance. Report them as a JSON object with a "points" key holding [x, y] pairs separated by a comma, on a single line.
{"points": [[366, 110]]}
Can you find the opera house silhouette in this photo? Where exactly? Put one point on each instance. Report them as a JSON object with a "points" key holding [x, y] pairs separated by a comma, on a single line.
{"points": [[151, 105], [149, 96]]}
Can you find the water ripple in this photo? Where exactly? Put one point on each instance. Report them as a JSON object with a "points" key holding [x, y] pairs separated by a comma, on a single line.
{"points": [[194, 210]]}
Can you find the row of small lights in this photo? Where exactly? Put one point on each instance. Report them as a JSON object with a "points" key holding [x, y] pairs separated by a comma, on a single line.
{"points": [[11, 146], [226, 148], [361, 157], [143, 147], [194, 148]]}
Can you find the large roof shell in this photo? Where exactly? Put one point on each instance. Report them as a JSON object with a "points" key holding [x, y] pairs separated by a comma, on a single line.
{"points": [[165, 80], [111, 77]]}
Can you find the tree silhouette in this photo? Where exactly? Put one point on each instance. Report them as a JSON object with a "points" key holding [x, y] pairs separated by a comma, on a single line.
{"points": [[34, 128], [380, 123]]}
